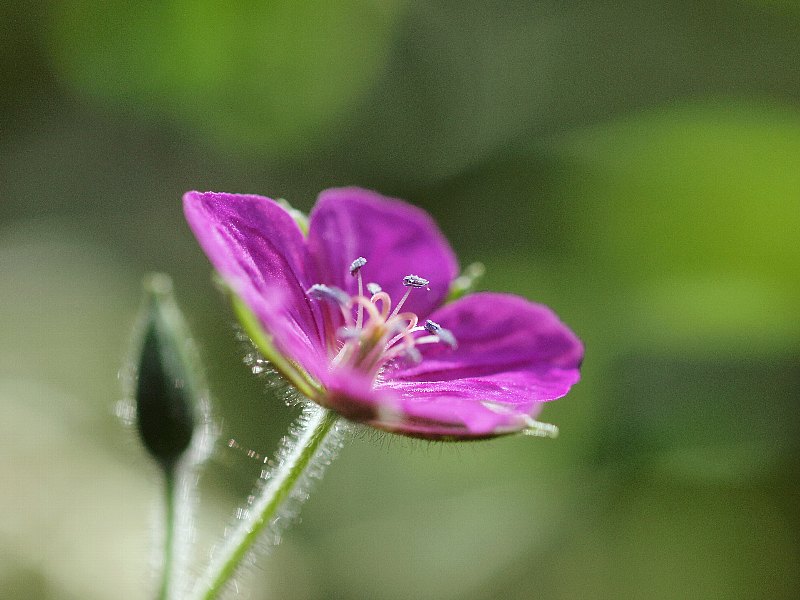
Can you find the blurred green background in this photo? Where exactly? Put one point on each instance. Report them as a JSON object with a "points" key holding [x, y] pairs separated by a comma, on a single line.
{"points": [[634, 165]]}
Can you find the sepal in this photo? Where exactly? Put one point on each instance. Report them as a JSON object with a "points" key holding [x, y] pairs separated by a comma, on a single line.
{"points": [[169, 394]]}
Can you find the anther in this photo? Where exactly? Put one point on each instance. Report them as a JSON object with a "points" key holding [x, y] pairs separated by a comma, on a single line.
{"points": [[374, 288], [415, 281], [356, 265], [445, 335], [410, 281], [431, 326], [355, 271], [320, 291]]}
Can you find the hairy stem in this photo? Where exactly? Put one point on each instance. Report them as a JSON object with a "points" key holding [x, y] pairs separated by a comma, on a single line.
{"points": [[316, 426]]}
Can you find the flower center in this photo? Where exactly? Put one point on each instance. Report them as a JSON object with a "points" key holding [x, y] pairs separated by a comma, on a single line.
{"points": [[374, 334]]}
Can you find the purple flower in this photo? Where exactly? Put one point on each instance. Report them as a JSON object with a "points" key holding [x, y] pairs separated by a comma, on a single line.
{"points": [[356, 306]]}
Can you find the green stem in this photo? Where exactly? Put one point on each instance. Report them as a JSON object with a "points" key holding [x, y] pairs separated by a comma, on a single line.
{"points": [[171, 525], [269, 499]]}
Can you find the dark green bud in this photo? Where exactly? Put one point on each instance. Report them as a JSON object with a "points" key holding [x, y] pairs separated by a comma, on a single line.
{"points": [[167, 392]]}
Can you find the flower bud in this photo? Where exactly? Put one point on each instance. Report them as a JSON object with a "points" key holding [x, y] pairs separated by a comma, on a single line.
{"points": [[167, 386]]}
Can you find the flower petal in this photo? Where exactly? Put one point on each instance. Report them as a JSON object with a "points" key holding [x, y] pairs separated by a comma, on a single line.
{"points": [[397, 239], [351, 394], [511, 356], [261, 253], [428, 414]]}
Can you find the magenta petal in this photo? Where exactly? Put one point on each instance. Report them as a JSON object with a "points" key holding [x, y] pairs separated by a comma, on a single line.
{"points": [[497, 333], [397, 239], [260, 252], [472, 407], [511, 356], [425, 413], [455, 417], [352, 395]]}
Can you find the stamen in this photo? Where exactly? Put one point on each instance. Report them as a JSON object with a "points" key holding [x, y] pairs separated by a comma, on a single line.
{"points": [[440, 332], [377, 335], [356, 265], [355, 270], [403, 331], [406, 320], [427, 339], [371, 308], [386, 303], [410, 281], [403, 350], [402, 325], [348, 333], [432, 326], [320, 291], [334, 295], [415, 281], [414, 355]]}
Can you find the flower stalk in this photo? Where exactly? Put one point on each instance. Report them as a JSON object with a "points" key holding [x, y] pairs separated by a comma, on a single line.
{"points": [[171, 532], [167, 401], [314, 444]]}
